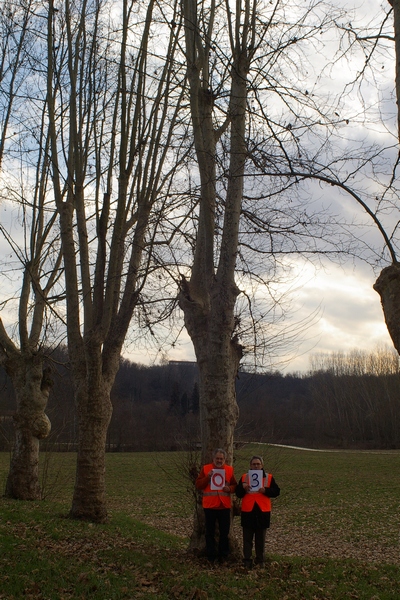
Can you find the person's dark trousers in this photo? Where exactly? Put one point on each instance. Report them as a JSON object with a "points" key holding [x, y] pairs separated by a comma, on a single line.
{"points": [[248, 535], [259, 538], [223, 517], [259, 543]]}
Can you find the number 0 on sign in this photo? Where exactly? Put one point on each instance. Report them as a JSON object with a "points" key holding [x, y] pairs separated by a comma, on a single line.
{"points": [[217, 479]]}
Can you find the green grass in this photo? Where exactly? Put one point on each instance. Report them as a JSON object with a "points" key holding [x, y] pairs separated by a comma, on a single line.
{"points": [[334, 533]]}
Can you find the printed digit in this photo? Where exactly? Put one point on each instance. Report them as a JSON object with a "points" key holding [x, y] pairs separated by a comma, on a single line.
{"points": [[255, 483]]}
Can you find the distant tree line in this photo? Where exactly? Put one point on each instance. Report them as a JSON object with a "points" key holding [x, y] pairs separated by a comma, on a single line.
{"points": [[345, 401]]}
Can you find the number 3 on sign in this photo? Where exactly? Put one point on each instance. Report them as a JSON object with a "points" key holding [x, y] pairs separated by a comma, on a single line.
{"points": [[255, 480]]}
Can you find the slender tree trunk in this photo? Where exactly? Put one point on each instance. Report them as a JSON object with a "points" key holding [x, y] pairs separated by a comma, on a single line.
{"points": [[32, 385]]}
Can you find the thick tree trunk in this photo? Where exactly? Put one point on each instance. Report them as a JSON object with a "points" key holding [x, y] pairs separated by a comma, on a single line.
{"points": [[218, 356], [32, 385], [94, 415], [94, 370], [218, 361], [89, 499], [388, 287]]}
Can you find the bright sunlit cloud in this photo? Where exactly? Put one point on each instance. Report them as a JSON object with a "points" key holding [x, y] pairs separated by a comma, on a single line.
{"points": [[352, 316]]}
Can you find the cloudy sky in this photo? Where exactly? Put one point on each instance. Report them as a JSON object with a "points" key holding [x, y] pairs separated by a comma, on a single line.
{"points": [[348, 316], [349, 313], [349, 310]]}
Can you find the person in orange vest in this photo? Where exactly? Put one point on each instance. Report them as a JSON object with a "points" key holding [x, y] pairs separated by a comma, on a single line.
{"points": [[256, 488], [217, 482]]}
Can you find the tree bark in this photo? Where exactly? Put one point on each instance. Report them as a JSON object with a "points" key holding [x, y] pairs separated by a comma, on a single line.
{"points": [[32, 385], [218, 355], [94, 412], [388, 287]]}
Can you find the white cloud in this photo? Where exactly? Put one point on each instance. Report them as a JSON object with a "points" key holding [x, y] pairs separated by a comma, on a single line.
{"points": [[351, 318]]}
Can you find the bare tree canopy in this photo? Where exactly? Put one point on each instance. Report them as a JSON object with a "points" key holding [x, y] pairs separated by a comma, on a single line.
{"points": [[102, 89], [257, 117], [184, 142], [113, 101]]}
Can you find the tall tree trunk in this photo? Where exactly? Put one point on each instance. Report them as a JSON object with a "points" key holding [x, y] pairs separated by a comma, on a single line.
{"points": [[208, 298], [218, 355], [94, 408], [32, 386]]}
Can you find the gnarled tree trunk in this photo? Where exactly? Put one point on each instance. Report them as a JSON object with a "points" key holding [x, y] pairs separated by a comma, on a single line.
{"points": [[32, 384]]}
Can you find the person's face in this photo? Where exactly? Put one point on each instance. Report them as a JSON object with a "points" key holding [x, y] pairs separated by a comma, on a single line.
{"points": [[256, 464], [219, 460]]}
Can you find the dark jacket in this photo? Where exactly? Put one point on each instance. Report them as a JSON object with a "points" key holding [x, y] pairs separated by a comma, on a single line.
{"points": [[257, 519]]}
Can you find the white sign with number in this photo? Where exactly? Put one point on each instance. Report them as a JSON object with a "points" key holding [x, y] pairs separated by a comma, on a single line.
{"points": [[255, 480], [217, 479]]}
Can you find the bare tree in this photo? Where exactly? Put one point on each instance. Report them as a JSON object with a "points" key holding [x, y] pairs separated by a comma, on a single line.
{"points": [[247, 115], [355, 396], [246, 67], [362, 171], [113, 102], [32, 245]]}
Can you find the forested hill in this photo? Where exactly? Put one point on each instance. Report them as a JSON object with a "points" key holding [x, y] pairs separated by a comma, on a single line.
{"points": [[156, 408]]}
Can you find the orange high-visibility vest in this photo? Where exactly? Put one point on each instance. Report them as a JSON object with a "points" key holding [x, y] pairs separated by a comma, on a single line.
{"points": [[250, 498], [216, 498]]}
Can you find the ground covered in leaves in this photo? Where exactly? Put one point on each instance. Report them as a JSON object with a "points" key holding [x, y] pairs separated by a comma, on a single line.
{"points": [[334, 534], [284, 539], [51, 558], [332, 505]]}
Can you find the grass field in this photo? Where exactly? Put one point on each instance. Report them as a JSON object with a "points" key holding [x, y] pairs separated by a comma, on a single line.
{"points": [[334, 533]]}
